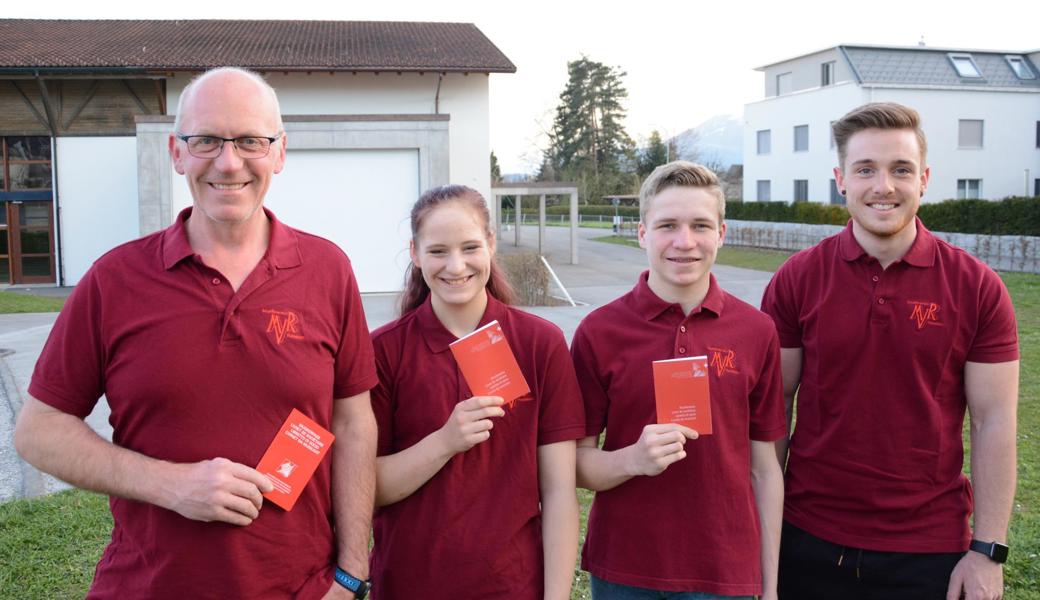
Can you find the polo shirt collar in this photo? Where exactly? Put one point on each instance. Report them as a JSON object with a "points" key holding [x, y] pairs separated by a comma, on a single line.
{"points": [[283, 249], [436, 335], [921, 252], [650, 306]]}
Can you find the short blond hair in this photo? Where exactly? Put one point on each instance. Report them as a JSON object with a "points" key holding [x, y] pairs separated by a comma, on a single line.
{"points": [[680, 173]]}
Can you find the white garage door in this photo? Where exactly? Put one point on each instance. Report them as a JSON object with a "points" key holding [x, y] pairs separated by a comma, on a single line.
{"points": [[359, 199]]}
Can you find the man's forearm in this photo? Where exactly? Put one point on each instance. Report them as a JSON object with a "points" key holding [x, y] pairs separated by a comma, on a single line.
{"points": [[64, 446], [993, 477], [767, 480], [353, 481]]}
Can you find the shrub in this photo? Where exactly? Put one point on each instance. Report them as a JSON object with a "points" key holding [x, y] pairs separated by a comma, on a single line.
{"points": [[1010, 216]]}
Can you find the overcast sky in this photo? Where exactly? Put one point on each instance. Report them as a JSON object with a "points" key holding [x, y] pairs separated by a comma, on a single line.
{"points": [[685, 61]]}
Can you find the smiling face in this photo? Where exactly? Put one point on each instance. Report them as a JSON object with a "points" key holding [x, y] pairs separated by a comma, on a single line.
{"points": [[228, 189], [884, 179], [453, 251], [682, 234]]}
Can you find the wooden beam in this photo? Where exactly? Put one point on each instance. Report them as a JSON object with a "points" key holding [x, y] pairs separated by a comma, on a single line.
{"points": [[46, 97], [83, 103], [161, 95], [36, 113], [136, 98]]}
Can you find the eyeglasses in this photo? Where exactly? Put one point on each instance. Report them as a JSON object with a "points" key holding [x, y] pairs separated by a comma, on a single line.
{"points": [[210, 146]]}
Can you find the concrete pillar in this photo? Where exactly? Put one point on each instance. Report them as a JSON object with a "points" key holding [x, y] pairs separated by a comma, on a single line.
{"points": [[518, 214], [541, 223], [574, 227], [498, 216]]}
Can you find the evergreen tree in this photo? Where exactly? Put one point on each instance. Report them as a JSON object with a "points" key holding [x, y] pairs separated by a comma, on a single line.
{"points": [[654, 155], [588, 143], [496, 171]]}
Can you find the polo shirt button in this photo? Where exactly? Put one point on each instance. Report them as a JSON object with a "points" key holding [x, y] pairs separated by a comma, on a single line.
{"points": [[880, 300], [682, 350], [875, 278], [216, 281], [682, 328]]}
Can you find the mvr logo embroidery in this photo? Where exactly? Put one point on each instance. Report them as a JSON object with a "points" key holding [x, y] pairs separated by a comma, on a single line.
{"points": [[283, 324], [924, 313], [723, 360]]}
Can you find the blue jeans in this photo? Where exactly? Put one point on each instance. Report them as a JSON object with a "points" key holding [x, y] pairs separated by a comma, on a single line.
{"points": [[605, 590]]}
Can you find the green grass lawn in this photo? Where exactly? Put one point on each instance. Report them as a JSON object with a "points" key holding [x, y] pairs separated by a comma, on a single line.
{"points": [[733, 256], [48, 546], [18, 302]]}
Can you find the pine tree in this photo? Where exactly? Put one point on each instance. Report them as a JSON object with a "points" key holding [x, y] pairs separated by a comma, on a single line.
{"points": [[652, 156], [588, 143], [496, 171]]}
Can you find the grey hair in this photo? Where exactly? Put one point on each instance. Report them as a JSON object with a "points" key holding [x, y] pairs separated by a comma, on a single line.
{"points": [[253, 75]]}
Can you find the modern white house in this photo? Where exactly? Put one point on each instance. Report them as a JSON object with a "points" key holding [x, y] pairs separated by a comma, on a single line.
{"points": [[980, 112], [375, 112]]}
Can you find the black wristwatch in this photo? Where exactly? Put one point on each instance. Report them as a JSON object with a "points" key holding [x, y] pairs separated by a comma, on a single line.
{"points": [[359, 587], [996, 551]]}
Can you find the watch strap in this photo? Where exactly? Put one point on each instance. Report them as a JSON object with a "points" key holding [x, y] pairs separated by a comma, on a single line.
{"points": [[996, 551], [358, 586]]}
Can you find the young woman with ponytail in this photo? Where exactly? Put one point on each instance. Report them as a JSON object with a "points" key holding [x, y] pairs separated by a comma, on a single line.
{"points": [[475, 499]]}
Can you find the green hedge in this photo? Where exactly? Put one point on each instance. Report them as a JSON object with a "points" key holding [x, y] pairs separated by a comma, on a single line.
{"points": [[1010, 216]]}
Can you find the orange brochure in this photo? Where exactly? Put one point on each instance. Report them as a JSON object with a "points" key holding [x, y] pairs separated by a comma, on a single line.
{"points": [[488, 364], [293, 456], [682, 394]]}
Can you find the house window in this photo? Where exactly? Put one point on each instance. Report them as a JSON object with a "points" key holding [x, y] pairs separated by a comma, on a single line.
{"points": [[801, 138], [969, 189], [1036, 187], [764, 190], [801, 190], [965, 65], [764, 141], [783, 84], [1020, 67], [836, 197], [969, 133], [826, 73]]}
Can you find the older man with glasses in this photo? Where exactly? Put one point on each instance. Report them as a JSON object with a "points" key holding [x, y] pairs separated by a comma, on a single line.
{"points": [[204, 337]]}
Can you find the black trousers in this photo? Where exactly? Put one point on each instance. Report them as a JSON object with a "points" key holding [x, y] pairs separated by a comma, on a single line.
{"points": [[815, 569]]}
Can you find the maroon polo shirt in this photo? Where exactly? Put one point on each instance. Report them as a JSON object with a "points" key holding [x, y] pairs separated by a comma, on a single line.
{"points": [[876, 457], [474, 529], [193, 370], [695, 526]]}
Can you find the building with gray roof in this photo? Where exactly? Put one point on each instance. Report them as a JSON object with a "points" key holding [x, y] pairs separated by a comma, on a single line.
{"points": [[980, 111]]}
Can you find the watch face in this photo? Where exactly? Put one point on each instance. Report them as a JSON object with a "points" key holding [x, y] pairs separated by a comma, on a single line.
{"points": [[1000, 552]]}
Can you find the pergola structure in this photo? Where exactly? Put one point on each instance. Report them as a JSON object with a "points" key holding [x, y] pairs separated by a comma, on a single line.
{"points": [[540, 189]]}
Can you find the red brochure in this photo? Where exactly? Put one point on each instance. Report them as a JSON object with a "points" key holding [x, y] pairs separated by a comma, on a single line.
{"points": [[682, 394], [293, 456], [488, 364]]}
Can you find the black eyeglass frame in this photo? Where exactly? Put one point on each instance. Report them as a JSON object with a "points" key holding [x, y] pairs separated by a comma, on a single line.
{"points": [[234, 142]]}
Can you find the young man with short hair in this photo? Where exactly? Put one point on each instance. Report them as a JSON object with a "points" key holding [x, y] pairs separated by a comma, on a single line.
{"points": [[887, 334], [677, 514]]}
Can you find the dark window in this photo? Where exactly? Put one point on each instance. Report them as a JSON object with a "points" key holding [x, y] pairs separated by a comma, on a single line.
{"points": [[763, 191], [801, 138], [801, 190]]}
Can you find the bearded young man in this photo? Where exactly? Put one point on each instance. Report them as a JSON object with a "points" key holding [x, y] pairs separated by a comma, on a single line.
{"points": [[887, 335]]}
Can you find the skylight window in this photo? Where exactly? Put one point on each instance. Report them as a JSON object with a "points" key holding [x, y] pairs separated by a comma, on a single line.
{"points": [[965, 66], [1020, 67]]}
